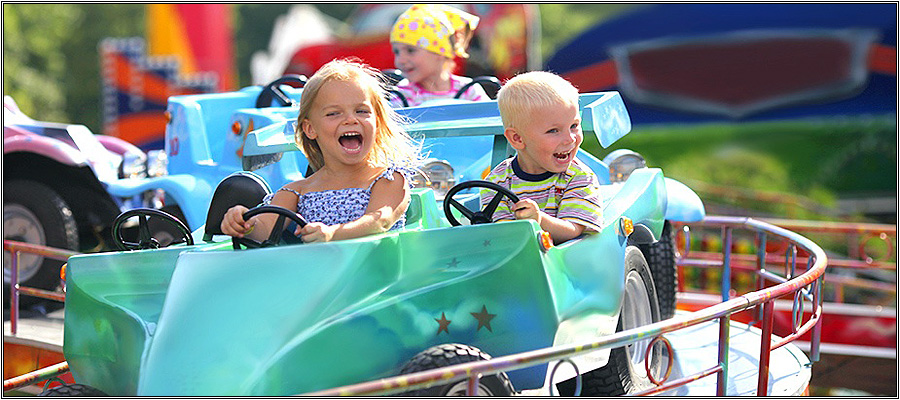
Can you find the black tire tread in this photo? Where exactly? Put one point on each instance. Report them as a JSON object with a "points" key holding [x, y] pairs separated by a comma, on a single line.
{"points": [[661, 259], [73, 390], [451, 354]]}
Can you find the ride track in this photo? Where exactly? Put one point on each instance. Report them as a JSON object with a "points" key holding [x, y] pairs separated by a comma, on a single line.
{"points": [[805, 286]]}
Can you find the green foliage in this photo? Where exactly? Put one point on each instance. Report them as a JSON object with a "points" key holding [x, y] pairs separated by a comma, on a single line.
{"points": [[561, 22], [34, 66], [734, 166]]}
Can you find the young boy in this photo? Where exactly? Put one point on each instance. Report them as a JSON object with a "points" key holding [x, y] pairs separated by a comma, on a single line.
{"points": [[541, 120]]}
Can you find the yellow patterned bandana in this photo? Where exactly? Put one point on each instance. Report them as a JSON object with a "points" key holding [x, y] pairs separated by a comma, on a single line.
{"points": [[429, 26]]}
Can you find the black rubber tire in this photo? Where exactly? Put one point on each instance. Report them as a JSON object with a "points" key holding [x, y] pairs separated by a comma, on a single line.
{"points": [[74, 390], [451, 354], [661, 258], [619, 376], [163, 231], [60, 231]]}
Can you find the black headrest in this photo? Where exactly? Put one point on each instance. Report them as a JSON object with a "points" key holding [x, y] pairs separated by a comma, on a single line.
{"points": [[242, 187]]}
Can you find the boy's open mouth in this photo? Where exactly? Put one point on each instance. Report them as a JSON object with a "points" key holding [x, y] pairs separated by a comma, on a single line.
{"points": [[562, 156], [351, 142]]}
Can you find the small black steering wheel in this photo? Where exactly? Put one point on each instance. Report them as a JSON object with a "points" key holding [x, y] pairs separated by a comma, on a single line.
{"points": [[491, 80], [273, 91], [476, 217], [145, 238], [274, 236]]}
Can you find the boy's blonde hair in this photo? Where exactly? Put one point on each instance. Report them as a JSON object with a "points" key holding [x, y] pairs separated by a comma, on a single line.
{"points": [[392, 145], [528, 91]]}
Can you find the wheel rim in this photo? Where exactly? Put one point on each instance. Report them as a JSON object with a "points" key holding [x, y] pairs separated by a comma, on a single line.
{"points": [[21, 225], [459, 389], [636, 312]]}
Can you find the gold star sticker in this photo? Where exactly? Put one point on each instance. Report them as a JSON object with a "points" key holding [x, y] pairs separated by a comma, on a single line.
{"points": [[443, 323], [453, 263], [487, 243], [484, 318]]}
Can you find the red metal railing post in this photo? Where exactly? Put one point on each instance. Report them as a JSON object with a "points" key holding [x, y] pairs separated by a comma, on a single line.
{"points": [[762, 388], [817, 305], [472, 385], [724, 345], [761, 254], [14, 292], [726, 264]]}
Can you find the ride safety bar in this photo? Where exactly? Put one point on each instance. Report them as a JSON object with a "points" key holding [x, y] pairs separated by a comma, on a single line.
{"points": [[16, 249]]}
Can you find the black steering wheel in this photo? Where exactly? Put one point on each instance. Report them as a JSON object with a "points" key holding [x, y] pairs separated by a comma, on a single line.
{"points": [[275, 235], [476, 217], [393, 91], [273, 91], [491, 80], [145, 238], [391, 77]]}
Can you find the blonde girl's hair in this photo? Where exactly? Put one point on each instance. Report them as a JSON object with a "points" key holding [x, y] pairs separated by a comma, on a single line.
{"points": [[392, 147], [529, 91]]}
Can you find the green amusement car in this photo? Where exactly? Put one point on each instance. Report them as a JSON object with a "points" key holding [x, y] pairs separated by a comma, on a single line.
{"points": [[213, 317]]}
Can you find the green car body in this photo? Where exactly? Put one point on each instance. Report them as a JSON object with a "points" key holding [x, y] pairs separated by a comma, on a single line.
{"points": [[209, 320]]}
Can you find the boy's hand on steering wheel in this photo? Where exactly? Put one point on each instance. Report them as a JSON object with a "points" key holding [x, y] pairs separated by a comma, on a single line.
{"points": [[527, 209]]}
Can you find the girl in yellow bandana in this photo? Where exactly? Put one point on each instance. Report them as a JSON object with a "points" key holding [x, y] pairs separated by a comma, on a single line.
{"points": [[425, 41]]}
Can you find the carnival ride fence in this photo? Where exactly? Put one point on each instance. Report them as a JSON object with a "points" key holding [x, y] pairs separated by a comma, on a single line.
{"points": [[861, 256], [805, 286], [16, 249]]}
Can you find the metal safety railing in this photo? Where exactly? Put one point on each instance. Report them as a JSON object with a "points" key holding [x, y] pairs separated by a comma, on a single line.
{"points": [[16, 249], [802, 285]]}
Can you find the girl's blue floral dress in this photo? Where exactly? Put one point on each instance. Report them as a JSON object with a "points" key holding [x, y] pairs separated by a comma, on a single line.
{"points": [[339, 206]]}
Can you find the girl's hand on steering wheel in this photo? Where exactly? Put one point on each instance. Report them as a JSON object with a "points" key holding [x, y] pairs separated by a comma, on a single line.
{"points": [[233, 223], [316, 232]]}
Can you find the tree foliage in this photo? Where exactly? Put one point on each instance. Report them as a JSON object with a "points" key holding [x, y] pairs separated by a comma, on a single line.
{"points": [[51, 66]]}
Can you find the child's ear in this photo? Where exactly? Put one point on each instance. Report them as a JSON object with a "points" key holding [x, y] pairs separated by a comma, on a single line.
{"points": [[307, 129], [514, 138]]}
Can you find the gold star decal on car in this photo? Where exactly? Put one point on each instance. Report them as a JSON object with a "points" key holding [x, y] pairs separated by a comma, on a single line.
{"points": [[443, 323], [484, 318], [453, 263]]}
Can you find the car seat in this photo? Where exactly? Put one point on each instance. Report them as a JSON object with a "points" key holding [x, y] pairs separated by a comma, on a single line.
{"points": [[242, 187]]}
